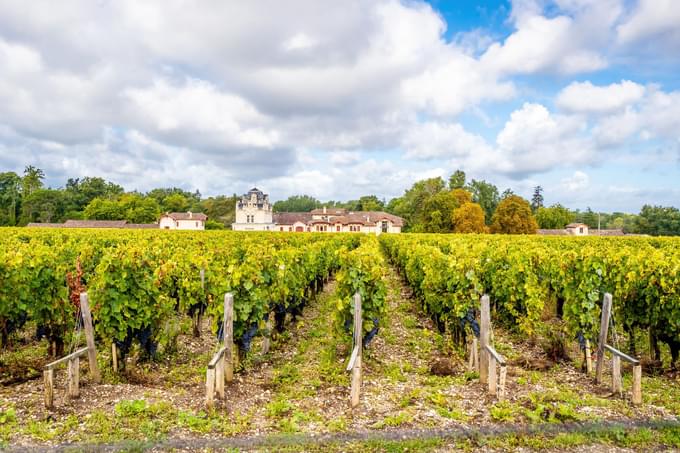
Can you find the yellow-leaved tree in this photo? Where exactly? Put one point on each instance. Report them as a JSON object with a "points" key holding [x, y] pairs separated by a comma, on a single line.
{"points": [[513, 216], [469, 218]]}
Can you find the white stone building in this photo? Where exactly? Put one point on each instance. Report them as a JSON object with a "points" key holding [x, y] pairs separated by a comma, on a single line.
{"points": [[254, 213], [183, 221]]}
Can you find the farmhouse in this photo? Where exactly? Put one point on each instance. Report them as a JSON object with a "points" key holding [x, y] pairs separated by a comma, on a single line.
{"points": [[581, 229], [183, 221], [254, 213]]}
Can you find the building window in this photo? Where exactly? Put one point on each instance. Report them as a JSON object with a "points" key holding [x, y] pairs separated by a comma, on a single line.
{"points": [[196, 224], [580, 230], [337, 228]]}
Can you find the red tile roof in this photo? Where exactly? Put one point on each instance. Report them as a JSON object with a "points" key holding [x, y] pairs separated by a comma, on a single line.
{"points": [[186, 215]]}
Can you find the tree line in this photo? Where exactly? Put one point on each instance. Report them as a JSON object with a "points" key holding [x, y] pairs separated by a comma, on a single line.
{"points": [[25, 199], [431, 205]]}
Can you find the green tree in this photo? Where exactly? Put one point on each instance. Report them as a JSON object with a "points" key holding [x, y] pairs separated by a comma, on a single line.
{"points": [[555, 217], [513, 216], [44, 206], [411, 206], [486, 195], [437, 213], [10, 198], [80, 192], [371, 203], [32, 180], [659, 221], [457, 180], [589, 217], [220, 208], [160, 195], [297, 203], [104, 209], [139, 209], [175, 202]]}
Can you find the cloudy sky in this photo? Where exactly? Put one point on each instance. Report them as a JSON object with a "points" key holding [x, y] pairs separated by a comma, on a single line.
{"points": [[342, 98]]}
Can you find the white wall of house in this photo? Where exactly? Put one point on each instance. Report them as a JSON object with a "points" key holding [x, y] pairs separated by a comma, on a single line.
{"points": [[578, 230], [251, 217], [168, 223]]}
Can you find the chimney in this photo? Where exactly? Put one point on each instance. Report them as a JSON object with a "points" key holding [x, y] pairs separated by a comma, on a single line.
{"points": [[190, 214], [324, 209]]}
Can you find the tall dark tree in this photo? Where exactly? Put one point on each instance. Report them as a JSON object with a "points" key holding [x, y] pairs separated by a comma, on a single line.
{"points": [[537, 199], [10, 198]]}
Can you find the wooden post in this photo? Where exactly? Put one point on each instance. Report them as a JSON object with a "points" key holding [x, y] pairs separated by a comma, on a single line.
{"points": [[114, 356], [235, 355], [358, 343], [228, 334], [266, 344], [616, 374], [604, 329], [219, 378], [74, 377], [501, 383], [471, 359], [637, 384], [475, 354], [89, 336], [485, 318], [210, 388], [492, 375], [589, 358], [48, 376]]}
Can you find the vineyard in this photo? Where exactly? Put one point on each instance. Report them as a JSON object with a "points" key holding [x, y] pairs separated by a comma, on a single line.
{"points": [[157, 303]]}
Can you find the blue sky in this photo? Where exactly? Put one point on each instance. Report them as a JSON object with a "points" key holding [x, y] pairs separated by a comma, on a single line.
{"points": [[342, 99]]}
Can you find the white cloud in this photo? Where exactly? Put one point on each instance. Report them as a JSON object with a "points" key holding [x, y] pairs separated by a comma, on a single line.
{"points": [[197, 109], [584, 97], [565, 43], [659, 19], [534, 140], [579, 181], [441, 140], [299, 41]]}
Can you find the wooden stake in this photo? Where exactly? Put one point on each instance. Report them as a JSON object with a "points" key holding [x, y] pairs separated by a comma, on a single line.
{"points": [[471, 359], [48, 377], [501, 383], [210, 388], [637, 384], [589, 358], [475, 354], [89, 336], [492, 375], [114, 356], [604, 329], [616, 374], [219, 378], [228, 330], [74, 377], [484, 331], [358, 343]]}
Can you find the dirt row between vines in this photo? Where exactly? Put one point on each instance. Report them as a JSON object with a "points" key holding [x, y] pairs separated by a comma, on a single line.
{"points": [[301, 386]]}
